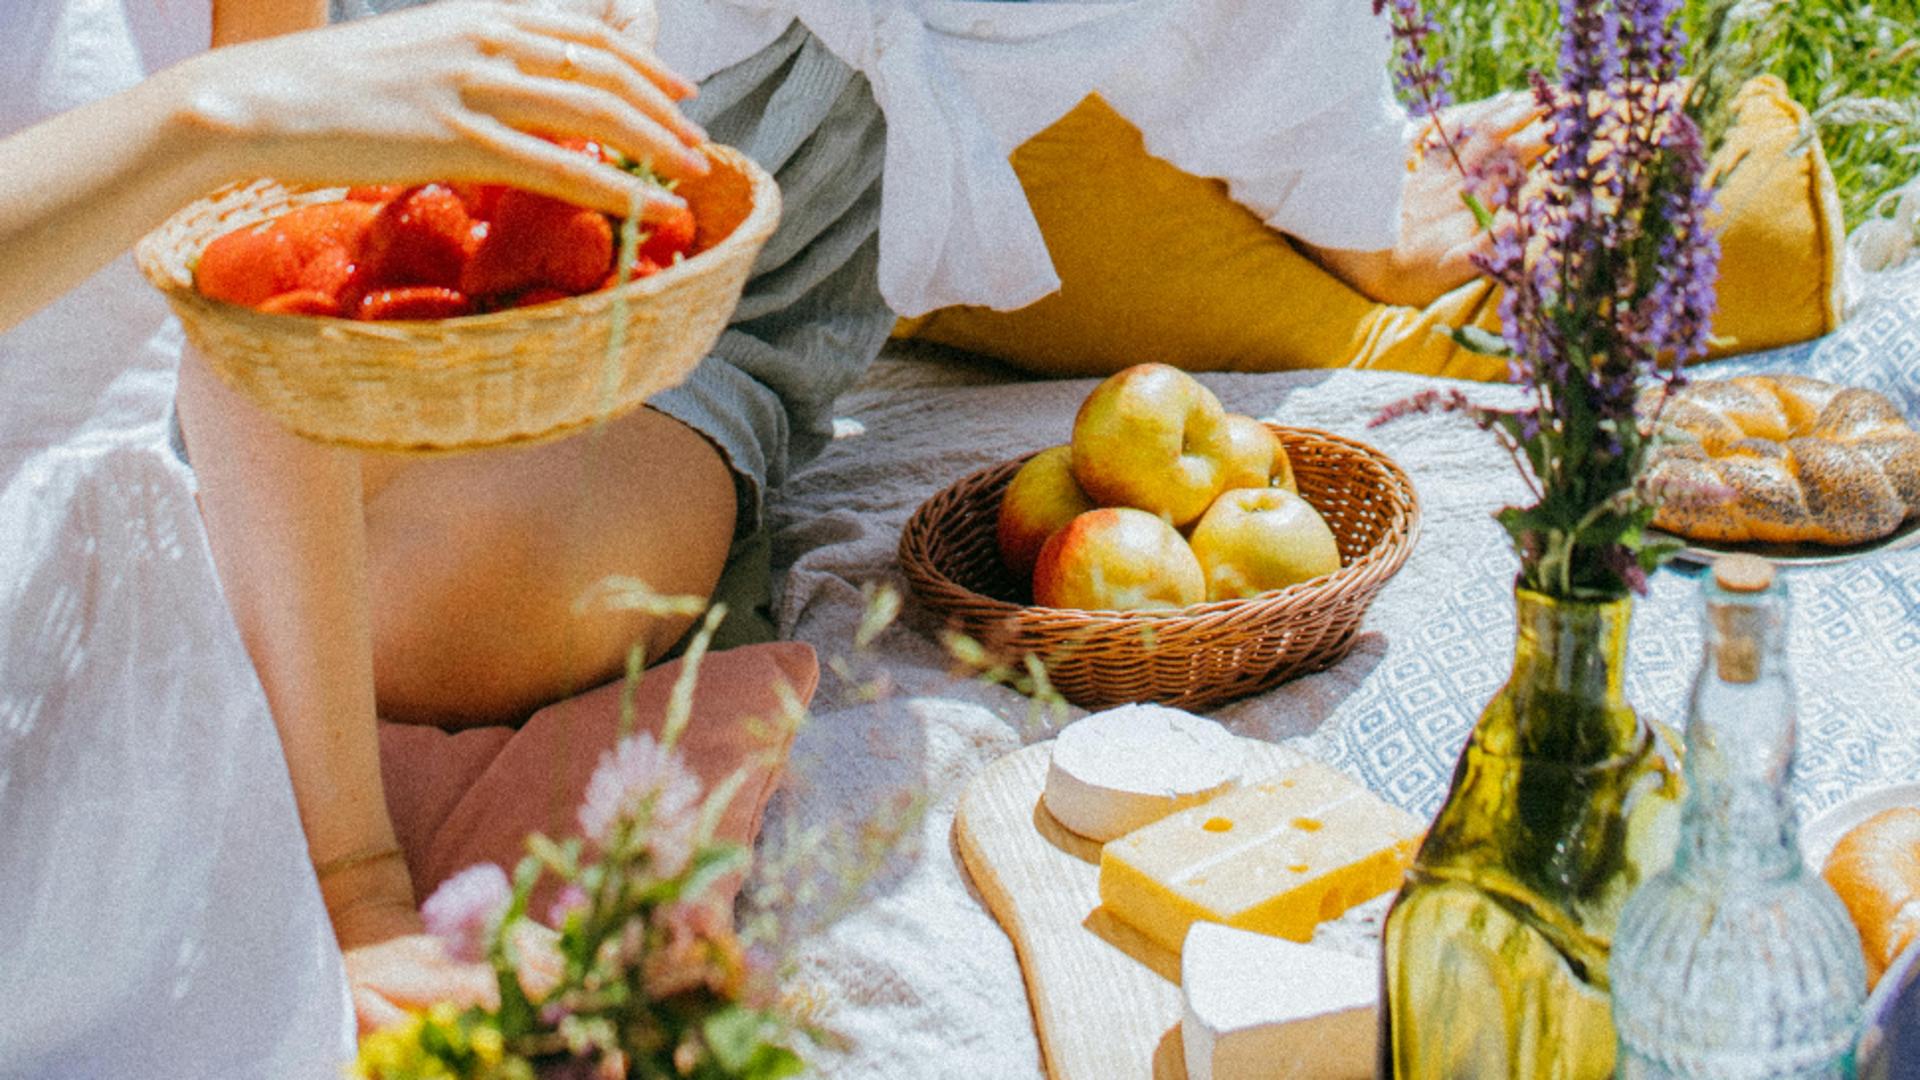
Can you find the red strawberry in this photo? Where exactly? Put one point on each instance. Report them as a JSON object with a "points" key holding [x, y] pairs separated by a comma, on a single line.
{"points": [[248, 265], [669, 237], [481, 200], [539, 296], [421, 238], [337, 273], [536, 241], [315, 229], [413, 302], [303, 302], [376, 193]]}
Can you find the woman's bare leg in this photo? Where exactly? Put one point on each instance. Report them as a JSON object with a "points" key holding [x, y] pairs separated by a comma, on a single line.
{"points": [[477, 561]]}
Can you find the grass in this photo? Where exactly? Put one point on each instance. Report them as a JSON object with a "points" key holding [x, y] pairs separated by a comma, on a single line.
{"points": [[1829, 51]]}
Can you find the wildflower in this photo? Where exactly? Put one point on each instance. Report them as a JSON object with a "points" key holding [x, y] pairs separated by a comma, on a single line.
{"points": [[464, 912], [694, 948], [642, 782]]}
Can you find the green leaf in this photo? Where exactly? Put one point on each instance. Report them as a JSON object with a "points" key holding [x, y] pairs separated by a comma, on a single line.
{"points": [[1480, 212], [735, 1035], [1484, 342], [774, 1063], [711, 864]]}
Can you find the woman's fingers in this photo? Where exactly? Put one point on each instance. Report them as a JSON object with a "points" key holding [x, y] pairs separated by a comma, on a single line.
{"points": [[535, 104], [517, 159], [371, 1012], [594, 33], [572, 61]]}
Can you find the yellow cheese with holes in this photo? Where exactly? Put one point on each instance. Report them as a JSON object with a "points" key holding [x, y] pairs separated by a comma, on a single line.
{"points": [[1278, 856]]}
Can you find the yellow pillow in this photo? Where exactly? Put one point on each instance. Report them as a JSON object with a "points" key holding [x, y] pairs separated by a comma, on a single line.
{"points": [[1156, 264]]}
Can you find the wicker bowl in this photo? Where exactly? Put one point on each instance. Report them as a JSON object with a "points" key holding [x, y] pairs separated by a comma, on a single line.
{"points": [[512, 377], [1197, 657]]}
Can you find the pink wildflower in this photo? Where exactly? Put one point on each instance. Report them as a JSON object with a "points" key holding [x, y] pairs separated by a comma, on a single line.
{"points": [[465, 910], [640, 780], [694, 949], [571, 899]]}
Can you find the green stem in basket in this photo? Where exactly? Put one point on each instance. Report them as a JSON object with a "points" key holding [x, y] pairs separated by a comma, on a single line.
{"points": [[617, 332]]}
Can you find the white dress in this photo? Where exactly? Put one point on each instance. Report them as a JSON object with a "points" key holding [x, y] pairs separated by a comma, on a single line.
{"points": [[158, 917], [1287, 101]]}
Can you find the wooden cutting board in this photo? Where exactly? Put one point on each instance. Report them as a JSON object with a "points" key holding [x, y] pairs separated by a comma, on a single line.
{"points": [[1106, 1001]]}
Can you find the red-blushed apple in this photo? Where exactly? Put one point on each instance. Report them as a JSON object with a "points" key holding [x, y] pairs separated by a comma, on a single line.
{"points": [[1255, 458], [1152, 438], [1254, 539], [1040, 500], [1117, 559]]}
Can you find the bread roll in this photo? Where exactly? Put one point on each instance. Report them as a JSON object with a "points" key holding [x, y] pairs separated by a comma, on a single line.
{"points": [[1876, 870], [1782, 459]]}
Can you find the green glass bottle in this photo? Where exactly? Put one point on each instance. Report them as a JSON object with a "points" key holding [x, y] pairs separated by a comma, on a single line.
{"points": [[1494, 955]]}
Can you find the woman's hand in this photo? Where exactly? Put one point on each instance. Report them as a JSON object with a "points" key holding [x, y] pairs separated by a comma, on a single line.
{"points": [[1439, 234], [399, 970], [449, 91], [409, 974]]}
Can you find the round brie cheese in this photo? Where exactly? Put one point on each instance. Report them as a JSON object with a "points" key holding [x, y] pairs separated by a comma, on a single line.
{"points": [[1118, 770]]}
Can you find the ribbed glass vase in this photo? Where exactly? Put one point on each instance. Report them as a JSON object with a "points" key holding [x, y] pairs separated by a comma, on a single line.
{"points": [[1738, 962], [1494, 957]]}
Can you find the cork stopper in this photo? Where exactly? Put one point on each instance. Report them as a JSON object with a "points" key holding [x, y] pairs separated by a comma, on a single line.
{"points": [[1743, 573], [1737, 655]]}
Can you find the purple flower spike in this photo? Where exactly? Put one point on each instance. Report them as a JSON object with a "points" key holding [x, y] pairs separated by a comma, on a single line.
{"points": [[464, 912]]}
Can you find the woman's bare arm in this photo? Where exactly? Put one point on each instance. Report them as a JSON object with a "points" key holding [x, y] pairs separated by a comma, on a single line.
{"points": [[441, 92]]}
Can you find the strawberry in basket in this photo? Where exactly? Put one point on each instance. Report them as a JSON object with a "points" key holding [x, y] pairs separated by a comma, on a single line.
{"points": [[432, 251]]}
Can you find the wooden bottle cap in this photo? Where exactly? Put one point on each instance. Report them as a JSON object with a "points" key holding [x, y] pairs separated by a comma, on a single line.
{"points": [[1742, 573]]}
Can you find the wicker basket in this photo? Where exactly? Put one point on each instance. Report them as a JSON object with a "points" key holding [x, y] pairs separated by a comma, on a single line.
{"points": [[1199, 656], [511, 377]]}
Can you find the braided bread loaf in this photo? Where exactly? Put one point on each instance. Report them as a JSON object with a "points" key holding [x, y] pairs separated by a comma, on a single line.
{"points": [[1783, 459]]}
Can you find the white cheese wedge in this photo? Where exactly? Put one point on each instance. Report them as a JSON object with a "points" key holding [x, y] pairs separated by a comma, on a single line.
{"points": [[1263, 1008], [1115, 771]]}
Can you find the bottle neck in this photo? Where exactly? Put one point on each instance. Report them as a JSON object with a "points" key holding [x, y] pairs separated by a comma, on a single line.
{"points": [[1739, 815], [1569, 680]]}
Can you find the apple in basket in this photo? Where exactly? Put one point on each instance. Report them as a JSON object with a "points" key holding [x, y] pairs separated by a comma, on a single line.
{"points": [[1255, 539], [1117, 559], [431, 251], [1151, 437], [1040, 500]]}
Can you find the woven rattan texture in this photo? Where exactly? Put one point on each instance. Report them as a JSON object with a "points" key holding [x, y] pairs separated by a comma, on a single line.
{"points": [[512, 377], [1200, 656]]}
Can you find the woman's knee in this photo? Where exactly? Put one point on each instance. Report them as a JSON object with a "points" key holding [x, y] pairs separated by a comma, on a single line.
{"points": [[487, 578]]}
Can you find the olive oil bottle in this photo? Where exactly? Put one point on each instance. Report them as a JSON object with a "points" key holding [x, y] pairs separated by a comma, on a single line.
{"points": [[1494, 954]]}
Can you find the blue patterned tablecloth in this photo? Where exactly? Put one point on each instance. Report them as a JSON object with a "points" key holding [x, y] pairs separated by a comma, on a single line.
{"points": [[1447, 621]]}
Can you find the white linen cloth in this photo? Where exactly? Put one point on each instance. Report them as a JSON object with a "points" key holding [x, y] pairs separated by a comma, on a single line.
{"points": [[1287, 101], [158, 918]]}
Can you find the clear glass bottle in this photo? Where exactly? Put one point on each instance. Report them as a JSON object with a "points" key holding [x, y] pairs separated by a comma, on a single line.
{"points": [[1738, 961]]}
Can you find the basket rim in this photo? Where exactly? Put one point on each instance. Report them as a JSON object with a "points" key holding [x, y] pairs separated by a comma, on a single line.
{"points": [[757, 226], [1383, 559]]}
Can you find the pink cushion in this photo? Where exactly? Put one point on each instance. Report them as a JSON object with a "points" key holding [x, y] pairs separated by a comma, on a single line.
{"points": [[459, 798]]}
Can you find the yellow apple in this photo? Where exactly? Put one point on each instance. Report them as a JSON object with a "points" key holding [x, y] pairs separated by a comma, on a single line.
{"points": [[1255, 457], [1254, 539], [1039, 502], [1117, 559], [1152, 438]]}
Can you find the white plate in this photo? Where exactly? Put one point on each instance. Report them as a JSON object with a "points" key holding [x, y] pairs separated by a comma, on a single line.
{"points": [[1704, 552], [1819, 835]]}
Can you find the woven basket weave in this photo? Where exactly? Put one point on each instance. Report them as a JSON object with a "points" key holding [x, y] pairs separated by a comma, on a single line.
{"points": [[1199, 656], [512, 377]]}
